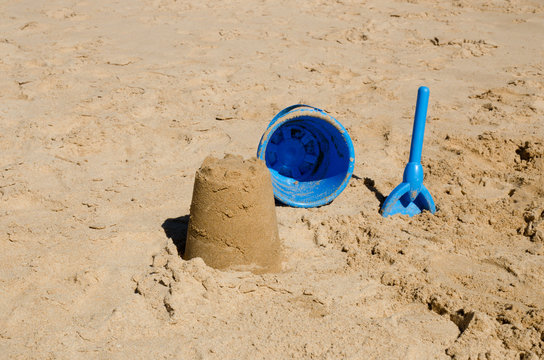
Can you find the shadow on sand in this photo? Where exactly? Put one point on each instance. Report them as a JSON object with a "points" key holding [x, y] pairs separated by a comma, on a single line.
{"points": [[176, 229]]}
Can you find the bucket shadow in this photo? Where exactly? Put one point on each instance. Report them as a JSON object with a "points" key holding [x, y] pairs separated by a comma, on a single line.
{"points": [[176, 229], [279, 203]]}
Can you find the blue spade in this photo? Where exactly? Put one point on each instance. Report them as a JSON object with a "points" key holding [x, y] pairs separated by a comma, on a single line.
{"points": [[412, 197]]}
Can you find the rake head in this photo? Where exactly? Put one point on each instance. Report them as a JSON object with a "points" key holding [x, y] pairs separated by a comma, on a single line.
{"points": [[402, 201]]}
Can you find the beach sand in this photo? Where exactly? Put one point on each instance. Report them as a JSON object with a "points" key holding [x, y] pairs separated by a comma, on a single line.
{"points": [[108, 108]]}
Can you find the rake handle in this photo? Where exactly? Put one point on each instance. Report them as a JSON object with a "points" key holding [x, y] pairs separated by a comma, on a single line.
{"points": [[419, 124]]}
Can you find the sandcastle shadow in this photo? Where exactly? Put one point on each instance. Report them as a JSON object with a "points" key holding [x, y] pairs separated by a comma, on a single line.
{"points": [[176, 229]]}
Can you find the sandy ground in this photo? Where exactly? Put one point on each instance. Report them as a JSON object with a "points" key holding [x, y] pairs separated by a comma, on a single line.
{"points": [[107, 109]]}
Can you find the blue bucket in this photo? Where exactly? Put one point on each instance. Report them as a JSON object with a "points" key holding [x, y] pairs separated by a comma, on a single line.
{"points": [[309, 154]]}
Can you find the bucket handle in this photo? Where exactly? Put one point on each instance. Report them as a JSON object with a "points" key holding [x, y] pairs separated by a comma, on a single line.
{"points": [[292, 107]]}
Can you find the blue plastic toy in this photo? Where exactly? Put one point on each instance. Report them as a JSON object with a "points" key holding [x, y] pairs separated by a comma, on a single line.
{"points": [[411, 196], [309, 154]]}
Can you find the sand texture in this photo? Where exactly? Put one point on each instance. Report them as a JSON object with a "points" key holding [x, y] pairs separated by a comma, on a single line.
{"points": [[108, 108]]}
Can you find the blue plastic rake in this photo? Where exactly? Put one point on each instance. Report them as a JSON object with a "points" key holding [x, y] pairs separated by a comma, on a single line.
{"points": [[411, 197]]}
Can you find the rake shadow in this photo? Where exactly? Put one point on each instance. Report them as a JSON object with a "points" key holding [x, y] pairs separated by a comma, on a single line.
{"points": [[371, 185]]}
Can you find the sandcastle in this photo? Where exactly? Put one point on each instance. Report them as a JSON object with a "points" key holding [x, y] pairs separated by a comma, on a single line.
{"points": [[233, 221]]}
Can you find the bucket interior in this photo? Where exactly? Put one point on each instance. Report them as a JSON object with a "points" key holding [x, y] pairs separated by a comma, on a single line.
{"points": [[309, 160]]}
